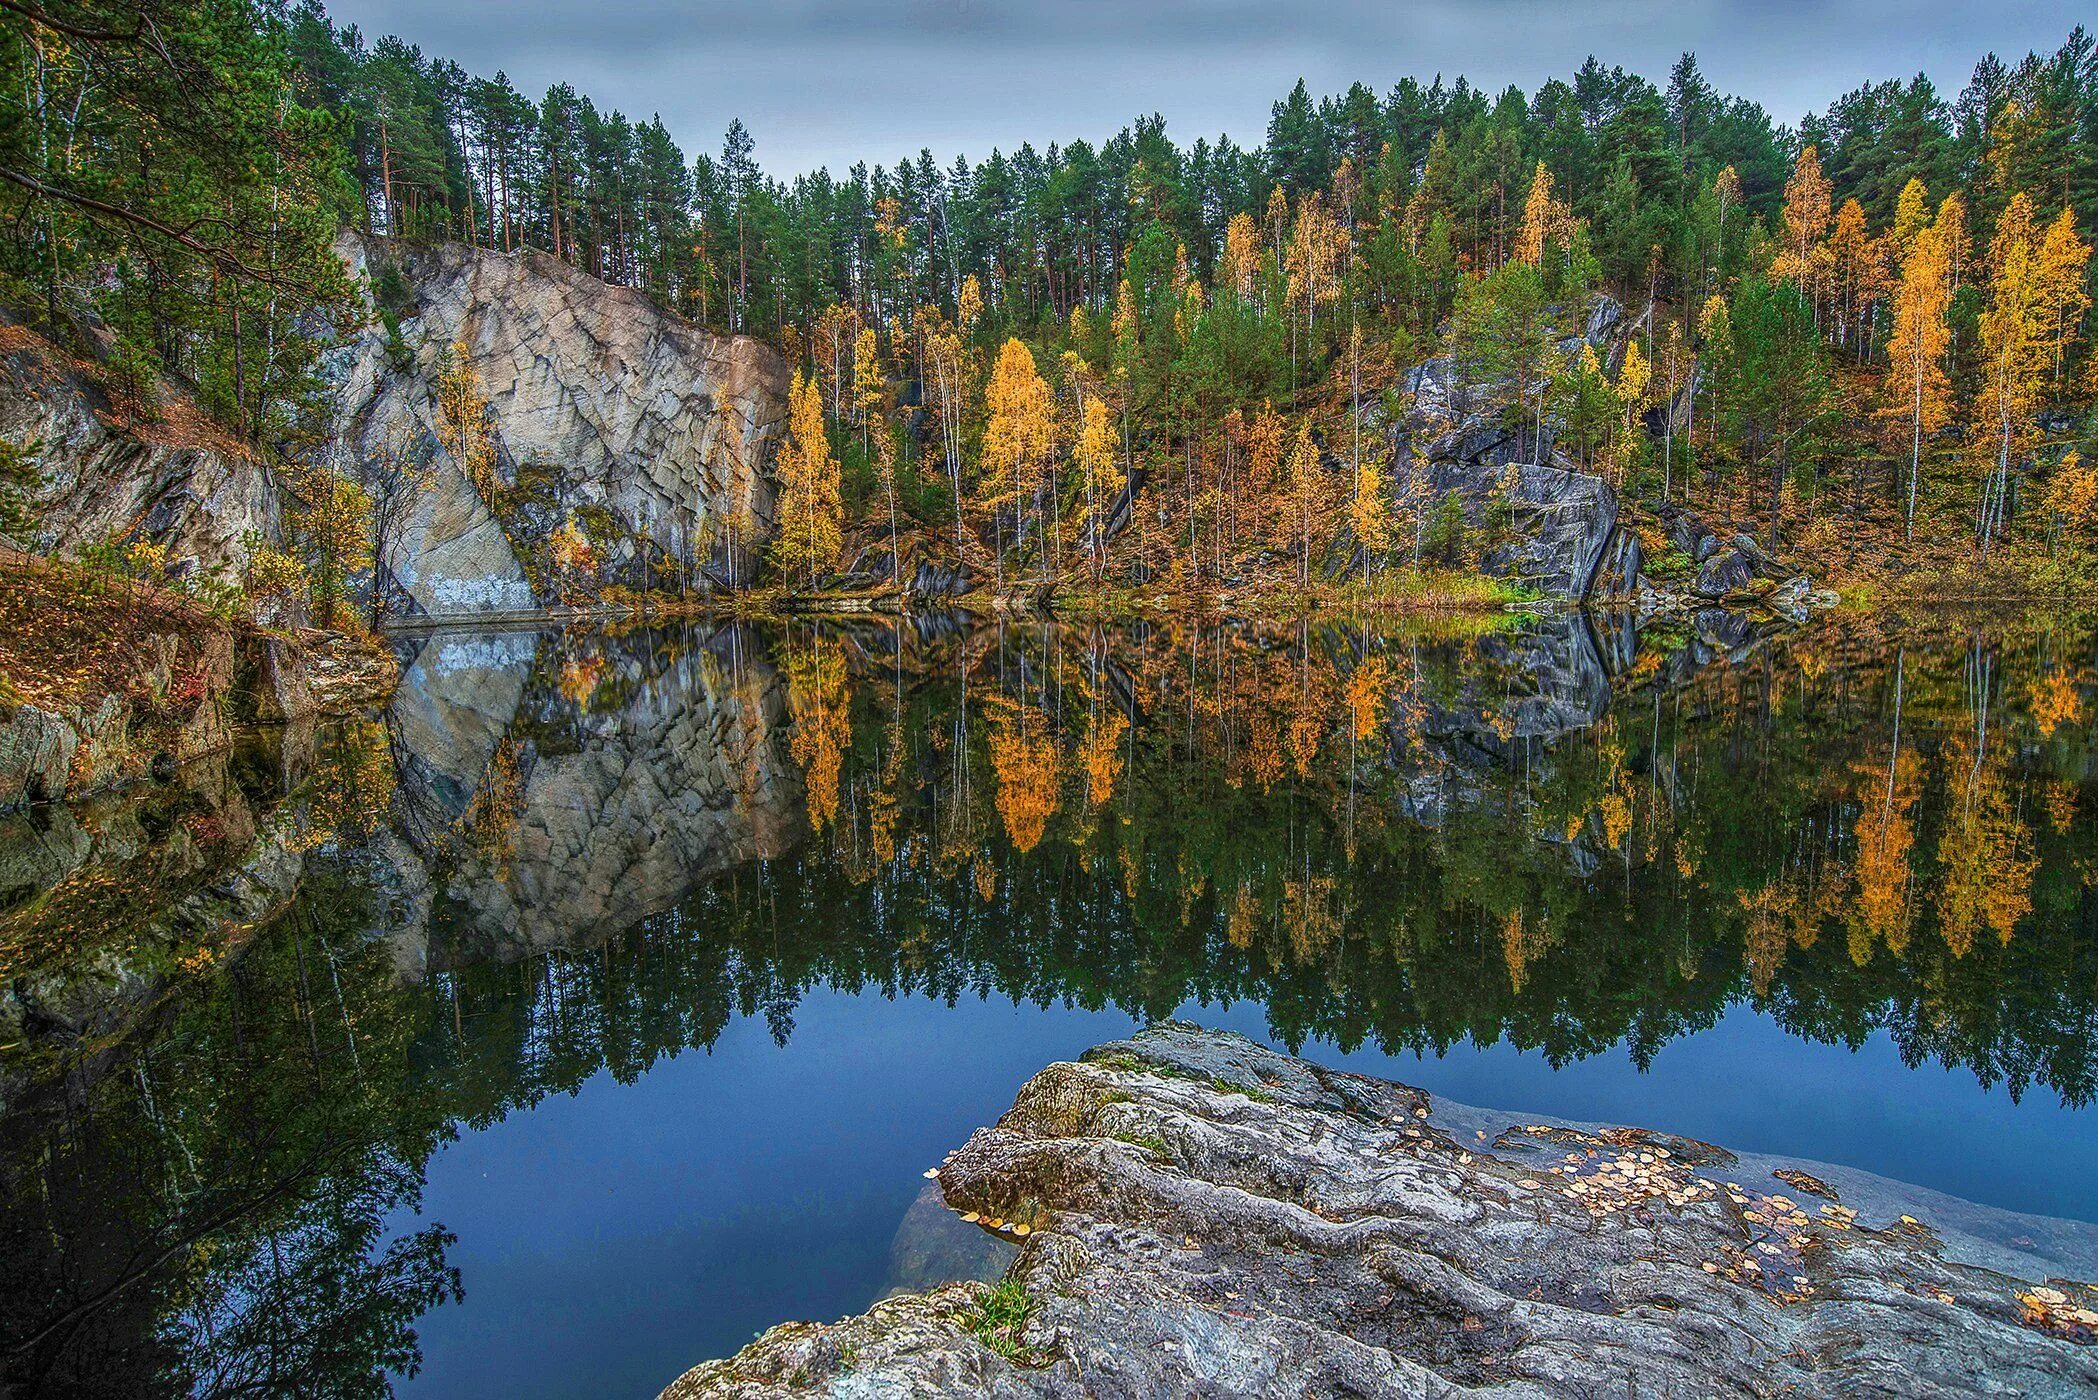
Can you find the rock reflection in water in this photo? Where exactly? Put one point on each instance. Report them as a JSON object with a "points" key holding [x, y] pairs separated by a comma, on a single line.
{"points": [[557, 805]]}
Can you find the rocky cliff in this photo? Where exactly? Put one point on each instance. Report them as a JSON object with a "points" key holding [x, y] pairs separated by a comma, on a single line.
{"points": [[1552, 527], [110, 468], [1198, 1215], [647, 431]]}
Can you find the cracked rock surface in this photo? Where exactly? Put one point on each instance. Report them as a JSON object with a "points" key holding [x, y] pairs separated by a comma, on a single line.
{"points": [[1204, 1216], [653, 431]]}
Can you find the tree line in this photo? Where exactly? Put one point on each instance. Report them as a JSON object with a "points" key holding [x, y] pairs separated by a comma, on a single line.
{"points": [[1012, 347]]}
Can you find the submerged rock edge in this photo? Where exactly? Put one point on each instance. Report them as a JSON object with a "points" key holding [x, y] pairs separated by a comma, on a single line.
{"points": [[1205, 1215]]}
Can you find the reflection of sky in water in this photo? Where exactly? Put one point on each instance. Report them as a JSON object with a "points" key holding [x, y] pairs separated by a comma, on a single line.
{"points": [[610, 1239]]}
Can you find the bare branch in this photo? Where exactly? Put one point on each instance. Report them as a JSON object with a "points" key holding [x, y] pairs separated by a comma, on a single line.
{"points": [[223, 258], [44, 19]]}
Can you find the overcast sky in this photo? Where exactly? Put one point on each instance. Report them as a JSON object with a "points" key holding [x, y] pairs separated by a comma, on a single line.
{"points": [[830, 82]]}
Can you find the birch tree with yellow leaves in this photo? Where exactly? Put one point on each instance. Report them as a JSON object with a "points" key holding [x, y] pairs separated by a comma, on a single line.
{"points": [[1099, 476], [811, 509], [1915, 386], [1803, 260], [1018, 433]]}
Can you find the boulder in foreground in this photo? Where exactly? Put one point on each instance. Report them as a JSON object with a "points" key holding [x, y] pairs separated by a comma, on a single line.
{"points": [[1203, 1216]]}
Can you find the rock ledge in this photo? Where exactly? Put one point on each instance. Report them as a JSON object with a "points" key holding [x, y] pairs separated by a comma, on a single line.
{"points": [[1203, 1216]]}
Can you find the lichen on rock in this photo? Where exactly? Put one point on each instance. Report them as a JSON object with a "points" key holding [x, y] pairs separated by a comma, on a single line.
{"points": [[1207, 1216]]}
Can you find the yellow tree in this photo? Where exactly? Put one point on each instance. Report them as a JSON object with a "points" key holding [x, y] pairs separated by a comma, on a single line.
{"points": [[1262, 489], [811, 512], [2014, 353], [2063, 257], [2072, 503], [1804, 257], [1369, 514], [1915, 386], [1102, 479], [331, 515], [462, 423], [1018, 433], [1634, 382], [1715, 327], [1315, 247], [1545, 219], [1307, 488], [1854, 262], [1239, 272], [868, 386], [1911, 216]]}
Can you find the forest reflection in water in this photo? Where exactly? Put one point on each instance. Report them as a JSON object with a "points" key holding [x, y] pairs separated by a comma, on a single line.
{"points": [[245, 1009]]}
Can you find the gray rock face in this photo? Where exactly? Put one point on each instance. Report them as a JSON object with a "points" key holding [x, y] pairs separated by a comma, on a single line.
{"points": [[36, 754], [652, 431], [1466, 438], [1616, 576], [178, 480], [1207, 1217], [1735, 567], [1562, 522]]}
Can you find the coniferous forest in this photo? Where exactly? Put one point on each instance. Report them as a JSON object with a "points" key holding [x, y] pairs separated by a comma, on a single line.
{"points": [[1863, 331]]}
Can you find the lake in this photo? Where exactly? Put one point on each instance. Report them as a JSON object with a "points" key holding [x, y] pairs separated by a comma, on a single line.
{"points": [[603, 999]]}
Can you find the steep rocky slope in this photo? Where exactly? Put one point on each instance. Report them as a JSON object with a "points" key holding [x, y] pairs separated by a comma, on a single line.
{"points": [[107, 683], [649, 432], [1199, 1215], [1562, 531], [109, 468]]}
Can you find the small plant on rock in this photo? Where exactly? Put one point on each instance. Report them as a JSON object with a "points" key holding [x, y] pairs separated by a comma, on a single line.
{"points": [[997, 1320]]}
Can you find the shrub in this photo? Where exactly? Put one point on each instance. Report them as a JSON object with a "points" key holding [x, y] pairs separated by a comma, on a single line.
{"points": [[1444, 538]]}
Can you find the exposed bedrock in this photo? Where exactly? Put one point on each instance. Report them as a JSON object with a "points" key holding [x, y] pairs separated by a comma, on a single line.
{"points": [[648, 432], [1199, 1215]]}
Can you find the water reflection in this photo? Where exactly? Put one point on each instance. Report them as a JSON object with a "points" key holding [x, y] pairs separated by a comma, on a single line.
{"points": [[242, 1012]]}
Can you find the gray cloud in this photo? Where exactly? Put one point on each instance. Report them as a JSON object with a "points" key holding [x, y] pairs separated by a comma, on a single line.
{"points": [[831, 82]]}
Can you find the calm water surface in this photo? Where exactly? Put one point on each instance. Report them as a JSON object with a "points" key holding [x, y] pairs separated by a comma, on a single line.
{"points": [[601, 1001]]}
